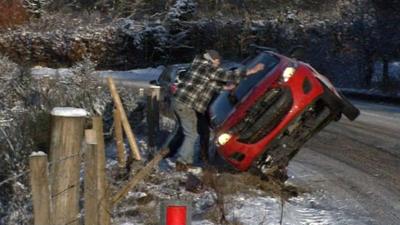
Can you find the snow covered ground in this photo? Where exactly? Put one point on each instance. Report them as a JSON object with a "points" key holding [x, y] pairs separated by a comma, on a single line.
{"points": [[255, 208], [250, 205], [336, 189]]}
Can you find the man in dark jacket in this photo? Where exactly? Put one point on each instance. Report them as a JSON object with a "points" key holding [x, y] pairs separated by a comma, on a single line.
{"points": [[204, 78]]}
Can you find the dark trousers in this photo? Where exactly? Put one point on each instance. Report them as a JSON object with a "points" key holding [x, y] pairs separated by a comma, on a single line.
{"points": [[203, 129]]}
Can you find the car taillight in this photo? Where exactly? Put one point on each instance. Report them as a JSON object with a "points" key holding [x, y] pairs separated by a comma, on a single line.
{"points": [[173, 88]]}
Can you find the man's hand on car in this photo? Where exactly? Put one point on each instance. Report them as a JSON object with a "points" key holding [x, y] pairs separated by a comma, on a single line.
{"points": [[255, 69]]}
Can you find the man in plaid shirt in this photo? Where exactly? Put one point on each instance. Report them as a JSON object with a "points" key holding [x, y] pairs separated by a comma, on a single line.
{"points": [[204, 79]]}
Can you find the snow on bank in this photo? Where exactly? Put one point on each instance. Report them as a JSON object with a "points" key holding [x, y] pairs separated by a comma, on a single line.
{"points": [[40, 153], [145, 74], [68, 112]]}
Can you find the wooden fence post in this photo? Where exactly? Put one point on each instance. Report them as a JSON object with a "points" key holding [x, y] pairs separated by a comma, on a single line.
{"points": [[102, 187], [65, 146], [125, 123], [40, 188], [153, 115], [151, 124], [119, 139], [156, 105], [90, 179]]}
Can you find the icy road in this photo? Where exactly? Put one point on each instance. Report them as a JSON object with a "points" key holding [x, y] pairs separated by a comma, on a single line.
{"points": [[352, 170]]}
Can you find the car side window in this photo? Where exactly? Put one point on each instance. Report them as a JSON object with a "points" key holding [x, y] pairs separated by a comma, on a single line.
{"points": [[165, 76]]}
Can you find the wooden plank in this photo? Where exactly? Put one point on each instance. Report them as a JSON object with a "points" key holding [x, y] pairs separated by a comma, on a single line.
{"points": [[142, 174], [40, 189], [90, 137], [125, 123], [90, 178], [119, 140], [153, 116], [102, 186], [66, 139]]}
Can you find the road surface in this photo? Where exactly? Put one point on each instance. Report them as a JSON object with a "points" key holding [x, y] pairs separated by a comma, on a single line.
{"points": [[352, 169]]}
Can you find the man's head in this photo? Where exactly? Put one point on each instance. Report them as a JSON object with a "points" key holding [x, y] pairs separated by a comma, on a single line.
{"points": [[214, 57]]}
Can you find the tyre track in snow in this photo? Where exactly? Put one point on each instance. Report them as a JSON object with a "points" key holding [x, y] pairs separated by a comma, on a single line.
{"points": [[357, 165]]}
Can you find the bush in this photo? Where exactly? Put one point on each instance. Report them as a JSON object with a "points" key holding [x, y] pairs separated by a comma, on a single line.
{"points": [[25, 123], [15, 141], [12, 13]]}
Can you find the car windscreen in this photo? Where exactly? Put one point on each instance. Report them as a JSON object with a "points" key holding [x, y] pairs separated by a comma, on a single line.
{"points": [[247, 84], [224, 103]]}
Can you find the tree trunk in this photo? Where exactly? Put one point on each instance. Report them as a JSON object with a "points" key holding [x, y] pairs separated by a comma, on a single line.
{"points": [[369, 71], [385, 72]]}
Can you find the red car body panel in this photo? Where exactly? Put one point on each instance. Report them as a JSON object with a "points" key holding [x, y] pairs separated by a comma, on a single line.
{"points": [[300, 102]]}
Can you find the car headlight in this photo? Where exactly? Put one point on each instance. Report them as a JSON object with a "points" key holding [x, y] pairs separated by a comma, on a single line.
{"points": [[223, 138], [288, 73]]}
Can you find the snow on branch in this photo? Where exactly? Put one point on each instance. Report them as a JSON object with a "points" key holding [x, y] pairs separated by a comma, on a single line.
{"points": [[182, 10]]}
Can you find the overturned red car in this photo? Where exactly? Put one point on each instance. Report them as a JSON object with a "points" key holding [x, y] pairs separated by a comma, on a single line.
{"points": [[270, 115], [266, 119]]}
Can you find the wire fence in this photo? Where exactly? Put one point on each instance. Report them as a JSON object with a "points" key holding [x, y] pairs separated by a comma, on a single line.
{"points": [[60, 188], [13, 178], [27, 171], [90, 191]]}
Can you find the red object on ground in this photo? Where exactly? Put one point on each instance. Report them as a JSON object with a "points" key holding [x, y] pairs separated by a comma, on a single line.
{"points": [[176, 215]]}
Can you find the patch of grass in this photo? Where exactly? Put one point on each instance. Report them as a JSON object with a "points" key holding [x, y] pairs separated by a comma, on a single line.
{"points": [[245, 182], [144, 208], [148, 213], [214, 215]]}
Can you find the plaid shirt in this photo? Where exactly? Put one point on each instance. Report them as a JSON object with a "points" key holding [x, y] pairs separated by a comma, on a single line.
{"points": [[202, 81]]}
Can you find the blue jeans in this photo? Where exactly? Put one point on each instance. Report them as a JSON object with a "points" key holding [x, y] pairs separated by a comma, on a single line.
{"points": [[188, 152]]}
